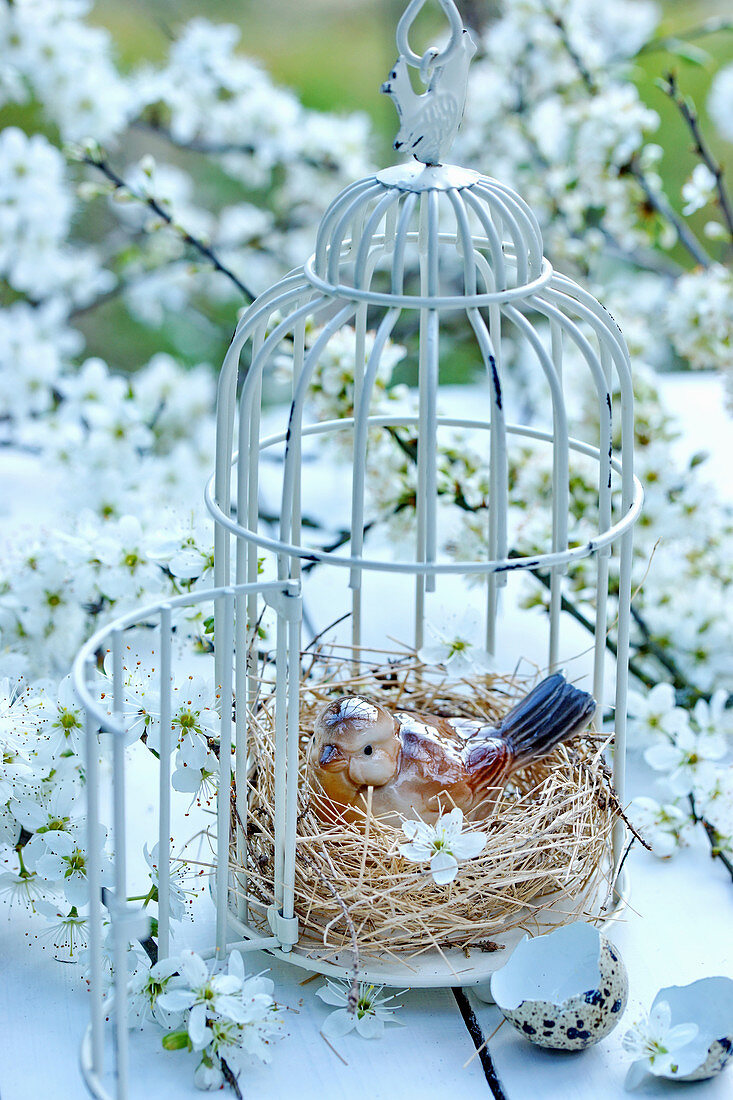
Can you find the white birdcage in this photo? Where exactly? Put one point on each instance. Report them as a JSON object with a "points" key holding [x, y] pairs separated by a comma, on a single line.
{"points": [[423, 241]]}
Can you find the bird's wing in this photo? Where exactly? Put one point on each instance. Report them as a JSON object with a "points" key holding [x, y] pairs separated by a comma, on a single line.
{"points": [[487, 763]]}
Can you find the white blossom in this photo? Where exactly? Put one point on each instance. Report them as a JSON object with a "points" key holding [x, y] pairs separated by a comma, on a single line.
{"points": [[178, 870], [225, 1015], [661, 824], [144, 988], [455, 648], [442, 844], [699, 189], [653, 1043], [699, 317], [655, 714], [686, 759], [370, 1015]]}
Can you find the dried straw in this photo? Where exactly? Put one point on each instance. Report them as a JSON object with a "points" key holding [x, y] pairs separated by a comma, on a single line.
{"points": [[549, 830]]}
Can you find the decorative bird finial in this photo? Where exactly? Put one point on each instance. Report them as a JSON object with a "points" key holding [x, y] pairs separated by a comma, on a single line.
{"points": [[429, 122]]}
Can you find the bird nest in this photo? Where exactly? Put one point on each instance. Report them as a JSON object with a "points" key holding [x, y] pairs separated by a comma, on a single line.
{"points": [[547, 860]]}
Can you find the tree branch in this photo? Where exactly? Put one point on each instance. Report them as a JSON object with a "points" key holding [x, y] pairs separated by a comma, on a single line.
{"points": [[220, 148], [689, 114], [582, 69], [658, 201], [120, 185]]}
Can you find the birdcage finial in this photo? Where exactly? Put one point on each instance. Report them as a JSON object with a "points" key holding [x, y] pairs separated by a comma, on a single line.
{"points": [[429, 122]]}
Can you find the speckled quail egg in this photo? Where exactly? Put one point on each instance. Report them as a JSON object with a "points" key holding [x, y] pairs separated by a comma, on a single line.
{"points": [[564, 990]]}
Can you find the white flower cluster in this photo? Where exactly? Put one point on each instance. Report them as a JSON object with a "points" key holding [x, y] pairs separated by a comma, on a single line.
{"points": [[194, 724], [564, 122], [51, 54], [218, 1016], [553, 111], [42, 829], [36, 208], [688, 750], [699, 318], [122, 458]]}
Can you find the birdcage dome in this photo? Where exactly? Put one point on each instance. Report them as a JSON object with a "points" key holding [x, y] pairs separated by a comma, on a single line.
{"points": [[370, 239], [435, 241]]}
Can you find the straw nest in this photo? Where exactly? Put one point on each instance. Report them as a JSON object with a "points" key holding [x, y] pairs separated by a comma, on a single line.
{"points": [[549, 831]]}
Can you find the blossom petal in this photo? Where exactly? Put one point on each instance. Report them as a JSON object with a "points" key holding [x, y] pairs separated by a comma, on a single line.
{"points": [[226, 984], [416, 853], [636, 1073], [339, 1023], [197, 1029], [468, 845], [443, 867], [660, 1018], [193, 967], [177, 1000], [236, 966], [680, 1035], [434, 654], [332, 996], [662, 757]]}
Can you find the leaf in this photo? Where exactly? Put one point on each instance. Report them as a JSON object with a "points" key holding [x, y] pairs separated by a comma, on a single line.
{"points": [[175, 1040], [209, 625]]}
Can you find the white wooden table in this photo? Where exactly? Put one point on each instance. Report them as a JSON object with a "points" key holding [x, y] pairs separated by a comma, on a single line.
{"points": [[677, 928]]}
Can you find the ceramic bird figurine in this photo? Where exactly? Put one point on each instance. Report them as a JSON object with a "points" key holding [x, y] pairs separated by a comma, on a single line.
{"points": [[429, 122], [412, 759]]}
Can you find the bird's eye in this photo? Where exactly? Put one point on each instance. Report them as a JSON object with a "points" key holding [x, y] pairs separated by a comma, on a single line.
{"points": [[368, 750]]}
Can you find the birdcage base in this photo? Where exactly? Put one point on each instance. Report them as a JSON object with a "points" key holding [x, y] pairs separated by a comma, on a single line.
{"points": [[438, 968]]}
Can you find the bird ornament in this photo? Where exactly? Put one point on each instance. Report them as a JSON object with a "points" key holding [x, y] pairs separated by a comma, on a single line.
{"points": [[429, 122], [414, 762]]}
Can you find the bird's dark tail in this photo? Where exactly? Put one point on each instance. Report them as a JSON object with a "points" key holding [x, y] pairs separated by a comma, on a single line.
{"points": [[552, 712]]}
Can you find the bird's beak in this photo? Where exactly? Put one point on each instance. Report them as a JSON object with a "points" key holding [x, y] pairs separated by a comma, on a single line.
{"points": [[332, 758]]}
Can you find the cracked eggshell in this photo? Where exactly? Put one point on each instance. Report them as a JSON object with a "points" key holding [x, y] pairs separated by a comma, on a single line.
{"points": [[565, 990], [708, 1003]]}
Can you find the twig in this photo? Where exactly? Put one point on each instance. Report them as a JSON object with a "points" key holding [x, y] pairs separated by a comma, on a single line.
{"points": [[620, 867], [120, 185], [712, 835], [230, 1079], [151, 949], [687, 110], [330, 1045]]}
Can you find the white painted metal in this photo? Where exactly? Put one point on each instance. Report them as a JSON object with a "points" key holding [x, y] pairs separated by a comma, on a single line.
{"points": [[414, 243]]}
